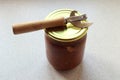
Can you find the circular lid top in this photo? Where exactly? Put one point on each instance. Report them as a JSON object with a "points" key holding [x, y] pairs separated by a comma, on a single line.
{"points": [[68, 34]]}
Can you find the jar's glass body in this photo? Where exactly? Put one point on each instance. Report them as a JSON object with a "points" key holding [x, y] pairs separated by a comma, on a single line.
{"points": [[65, 55]]}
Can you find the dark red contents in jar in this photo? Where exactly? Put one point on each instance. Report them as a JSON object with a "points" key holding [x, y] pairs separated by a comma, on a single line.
{"points": [[65, 55]]}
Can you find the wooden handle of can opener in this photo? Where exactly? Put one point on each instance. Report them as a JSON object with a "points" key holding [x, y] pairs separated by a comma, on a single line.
{"points": [[33, 26]]}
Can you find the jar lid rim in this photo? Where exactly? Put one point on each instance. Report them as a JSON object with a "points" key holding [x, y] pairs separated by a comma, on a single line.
{"points": [[71, 33]]}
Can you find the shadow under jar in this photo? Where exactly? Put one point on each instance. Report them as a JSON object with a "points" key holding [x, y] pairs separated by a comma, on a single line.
{"points": [[65, 45]]}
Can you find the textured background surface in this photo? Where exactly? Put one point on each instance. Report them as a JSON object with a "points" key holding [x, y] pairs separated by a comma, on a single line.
{"points": [[22, 57]]}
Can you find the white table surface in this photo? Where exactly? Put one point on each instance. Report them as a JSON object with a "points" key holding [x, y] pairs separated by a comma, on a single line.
{"points": [[23, 57]]}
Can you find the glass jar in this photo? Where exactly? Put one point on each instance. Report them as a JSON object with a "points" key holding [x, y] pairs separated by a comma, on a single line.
{"points": [[65, 45]]}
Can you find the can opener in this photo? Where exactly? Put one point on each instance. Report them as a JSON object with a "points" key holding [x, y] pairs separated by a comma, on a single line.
{"points": [[58, 22]]}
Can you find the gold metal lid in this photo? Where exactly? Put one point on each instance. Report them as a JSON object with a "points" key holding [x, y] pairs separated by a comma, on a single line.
{"points": [[68, 34]]}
